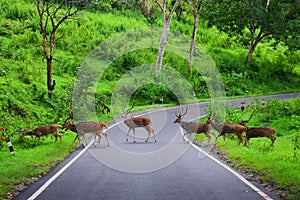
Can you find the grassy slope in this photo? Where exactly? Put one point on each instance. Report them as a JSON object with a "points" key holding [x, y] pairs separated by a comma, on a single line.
{"points": [[22, 81]]}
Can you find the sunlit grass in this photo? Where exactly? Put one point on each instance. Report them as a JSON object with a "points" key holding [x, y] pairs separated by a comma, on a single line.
{"points": [[31, 162], [275, 165]]}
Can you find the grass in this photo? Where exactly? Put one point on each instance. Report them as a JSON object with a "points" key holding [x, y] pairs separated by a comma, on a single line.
{"points": [[275, 166], [28, 164]]}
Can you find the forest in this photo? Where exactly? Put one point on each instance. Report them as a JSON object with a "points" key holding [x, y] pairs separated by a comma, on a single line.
{"points": [[47, 50]]}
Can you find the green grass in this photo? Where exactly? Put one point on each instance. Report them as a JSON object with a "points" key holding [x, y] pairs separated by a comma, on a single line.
{"points": [[31, 162], [276, 165], [273, 164]]}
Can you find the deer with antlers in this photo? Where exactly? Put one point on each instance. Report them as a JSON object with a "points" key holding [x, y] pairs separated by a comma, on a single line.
{"points": [[135, 122], [254, 132], [191, 127]]}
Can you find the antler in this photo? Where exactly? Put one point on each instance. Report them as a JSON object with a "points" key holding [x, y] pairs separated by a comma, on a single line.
{"points": [[250, 116], [124, 106], [131, 106], [185, 111], [181, 113]]}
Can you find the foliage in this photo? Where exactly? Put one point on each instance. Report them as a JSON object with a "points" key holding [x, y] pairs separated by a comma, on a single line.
{"points": [[277, 19]]}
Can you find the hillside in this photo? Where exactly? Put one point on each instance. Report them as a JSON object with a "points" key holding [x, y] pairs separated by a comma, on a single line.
{"points": [[23, 92], [23, 68]]}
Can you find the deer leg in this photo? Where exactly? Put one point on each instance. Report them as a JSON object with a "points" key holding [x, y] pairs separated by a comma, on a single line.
{"points": [[106, 137], [213, 133], [184, 136], [224, 137], [76, 138], [273, 140], [246, 142], [95, 137], [154, 134], [133, 135], [84, 142], [208, 136], [128, 133], [217, 138], [240, 138], [99, 138], [59, 138], [149, 131]]}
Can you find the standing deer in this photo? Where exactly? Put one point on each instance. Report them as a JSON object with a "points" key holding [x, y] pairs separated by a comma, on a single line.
{"points": [[135, 122], [87, 127], [254, 132], [224, 129], [191, 127], [44, 130]]}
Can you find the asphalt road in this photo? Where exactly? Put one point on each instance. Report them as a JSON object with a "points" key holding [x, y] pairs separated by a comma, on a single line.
{"points": [[167, 169]]}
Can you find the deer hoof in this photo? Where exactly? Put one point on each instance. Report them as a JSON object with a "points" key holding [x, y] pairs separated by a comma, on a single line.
{"points": [[134, 141]]}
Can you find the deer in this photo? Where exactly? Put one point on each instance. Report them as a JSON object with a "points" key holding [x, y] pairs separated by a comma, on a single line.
{"points": [[191, 127], [136, 122], [254, 132], [86, 127], [43, 130], [224, 128]]}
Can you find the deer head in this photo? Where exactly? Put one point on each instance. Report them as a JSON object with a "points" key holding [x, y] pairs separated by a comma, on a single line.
{"points": [[244, 122], [180, 115], [126, 112]]}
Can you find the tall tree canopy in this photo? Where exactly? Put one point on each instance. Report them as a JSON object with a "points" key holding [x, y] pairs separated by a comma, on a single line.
{"points": [[278, 19]]}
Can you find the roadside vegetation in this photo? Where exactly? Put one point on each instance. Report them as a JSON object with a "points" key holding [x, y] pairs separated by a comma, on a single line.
{"points": [[24, 101], [275, 167]]}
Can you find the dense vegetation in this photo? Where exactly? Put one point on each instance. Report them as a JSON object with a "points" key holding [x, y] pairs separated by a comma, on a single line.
{"points": [[23, 92]]}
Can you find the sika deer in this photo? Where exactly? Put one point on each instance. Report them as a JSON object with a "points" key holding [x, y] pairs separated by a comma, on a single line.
{"points": [[191, 127], [135, 122], [44, 130], [254, 132], [87, 127], [224, 129]]}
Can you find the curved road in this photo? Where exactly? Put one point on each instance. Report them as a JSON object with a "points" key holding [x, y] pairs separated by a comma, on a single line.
{"points": [[167, 169]]}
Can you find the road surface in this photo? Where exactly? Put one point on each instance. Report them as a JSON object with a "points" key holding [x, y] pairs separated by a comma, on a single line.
{"points": [[168, 169]]}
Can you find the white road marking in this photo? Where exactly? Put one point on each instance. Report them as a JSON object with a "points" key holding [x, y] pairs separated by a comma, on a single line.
{"points": [[261, 193], [54, 177]]}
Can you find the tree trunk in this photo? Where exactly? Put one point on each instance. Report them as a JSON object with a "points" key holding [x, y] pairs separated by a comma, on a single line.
{"points": [[165, 30], [49, 78], [162, 43], [253, 45], [192, 45]]}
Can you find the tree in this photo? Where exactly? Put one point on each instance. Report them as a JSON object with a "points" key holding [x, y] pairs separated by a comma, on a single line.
{"points": [[166, 18], [263, 18], [197, 6], [53, 13]]}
